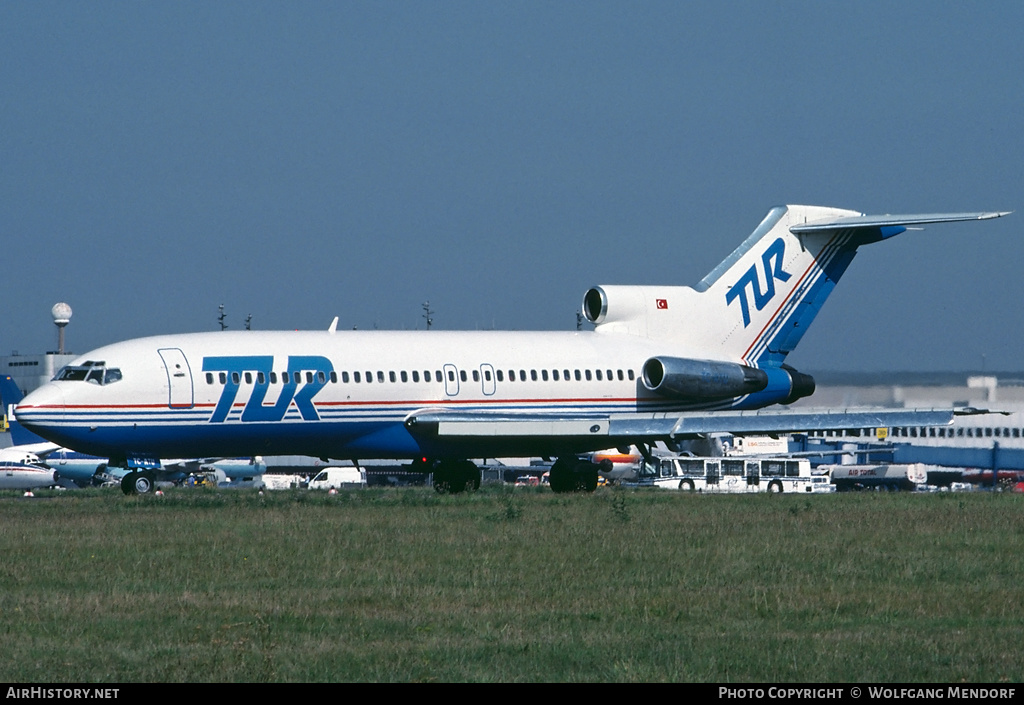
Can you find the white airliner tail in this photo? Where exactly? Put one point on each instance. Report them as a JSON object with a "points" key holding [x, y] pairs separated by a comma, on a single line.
{"points": [[756, 305]]}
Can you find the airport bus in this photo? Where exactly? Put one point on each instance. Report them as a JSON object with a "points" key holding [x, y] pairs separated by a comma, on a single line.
{"points": [[733, 475]]}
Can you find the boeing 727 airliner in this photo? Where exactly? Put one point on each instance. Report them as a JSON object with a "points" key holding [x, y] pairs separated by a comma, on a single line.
{"points": [[662, 363]]}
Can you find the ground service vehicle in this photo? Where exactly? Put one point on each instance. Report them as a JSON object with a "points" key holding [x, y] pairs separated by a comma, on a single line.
{"points": [[338, 478], [733, 475]]}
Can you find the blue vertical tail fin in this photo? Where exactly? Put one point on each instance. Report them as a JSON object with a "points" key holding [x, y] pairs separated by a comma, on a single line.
{"points": [[11, 396]]}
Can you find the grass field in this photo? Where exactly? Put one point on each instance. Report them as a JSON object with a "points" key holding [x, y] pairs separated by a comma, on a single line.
{"points": [[503, 585]]}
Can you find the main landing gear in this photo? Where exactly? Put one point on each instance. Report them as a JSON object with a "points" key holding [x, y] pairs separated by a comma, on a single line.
{"points": [[450, 476], [138, 482], [570, 474]]}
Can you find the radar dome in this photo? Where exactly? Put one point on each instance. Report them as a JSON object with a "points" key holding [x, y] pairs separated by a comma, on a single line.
{"points": [[61, 314]]}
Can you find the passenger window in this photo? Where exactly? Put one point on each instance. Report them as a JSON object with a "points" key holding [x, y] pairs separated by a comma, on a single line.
{"points": [[392, 377], [248, 377], [405, 376], [598, 373], [544, 375], [380, 376], [321, 377], [476, 376], [554, 375], [209, 378], [223, 377], [578, 376], [533, 375], [587, 373], [415, 376], [260, 378], [344, 377], [355, 377], [501, 376]]}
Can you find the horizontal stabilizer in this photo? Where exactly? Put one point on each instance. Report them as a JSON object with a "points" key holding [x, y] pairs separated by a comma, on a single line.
{"points": [[884, 221]]}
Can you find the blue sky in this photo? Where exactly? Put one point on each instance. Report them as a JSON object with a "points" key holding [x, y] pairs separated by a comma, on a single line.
{"points": [[305, 160]]}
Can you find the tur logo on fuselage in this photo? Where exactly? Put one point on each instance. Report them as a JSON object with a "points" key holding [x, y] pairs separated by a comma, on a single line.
{"points": [[317, 371], [772, 264]]}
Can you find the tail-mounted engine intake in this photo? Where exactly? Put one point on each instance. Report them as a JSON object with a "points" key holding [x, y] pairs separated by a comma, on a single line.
{"points": [[707, 380]]}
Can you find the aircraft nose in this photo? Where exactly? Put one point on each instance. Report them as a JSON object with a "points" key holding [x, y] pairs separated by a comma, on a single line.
{"points": [[42, 408]]}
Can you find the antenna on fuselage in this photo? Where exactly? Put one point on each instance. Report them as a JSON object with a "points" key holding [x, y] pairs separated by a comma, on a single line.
{"points": [[221, 317], [428, 314], [248, 322]]}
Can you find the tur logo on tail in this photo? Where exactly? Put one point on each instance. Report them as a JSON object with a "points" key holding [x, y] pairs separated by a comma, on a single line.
{"points": [[772, 272]]}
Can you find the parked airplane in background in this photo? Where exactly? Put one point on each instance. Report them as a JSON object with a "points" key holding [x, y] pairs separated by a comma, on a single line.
{"points": [[21, 470], [66, 467], [663, 363]]}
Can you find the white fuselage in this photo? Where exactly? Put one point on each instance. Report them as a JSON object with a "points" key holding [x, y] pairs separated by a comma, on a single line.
{"points": [[331, 394]]}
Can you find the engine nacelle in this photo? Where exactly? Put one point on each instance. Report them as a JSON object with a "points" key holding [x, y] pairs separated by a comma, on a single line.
{"points": [[801, 385], [701, 380], [785, 386], [630, 304]]}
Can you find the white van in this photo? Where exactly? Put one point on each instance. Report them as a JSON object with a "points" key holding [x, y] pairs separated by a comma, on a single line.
{"points": [[337, 478]]}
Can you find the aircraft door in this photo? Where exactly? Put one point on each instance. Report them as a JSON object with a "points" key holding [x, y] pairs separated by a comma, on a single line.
{"points": [[179, 378], [487, 379], [451, 380]]}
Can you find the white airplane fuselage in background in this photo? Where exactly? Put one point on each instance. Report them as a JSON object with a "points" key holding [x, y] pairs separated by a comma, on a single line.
{"points": [[21, 470], [663, 361]]}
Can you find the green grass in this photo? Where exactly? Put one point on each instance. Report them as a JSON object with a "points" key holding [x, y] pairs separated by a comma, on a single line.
{"points": [[502, 585]]}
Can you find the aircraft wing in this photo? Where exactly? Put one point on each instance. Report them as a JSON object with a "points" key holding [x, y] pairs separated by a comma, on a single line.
{"points": [[41, 449], [617, 428]]}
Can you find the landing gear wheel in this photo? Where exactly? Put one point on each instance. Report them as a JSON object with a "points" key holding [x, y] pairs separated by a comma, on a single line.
{"points": [[573, 475], [137, 482], [455, 476]]}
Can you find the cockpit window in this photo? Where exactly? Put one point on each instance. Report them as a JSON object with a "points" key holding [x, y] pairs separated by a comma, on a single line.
{"points": [[89, 371]]}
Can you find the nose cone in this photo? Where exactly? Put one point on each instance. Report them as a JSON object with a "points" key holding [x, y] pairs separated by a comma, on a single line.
{"points": [[42, 411]]}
